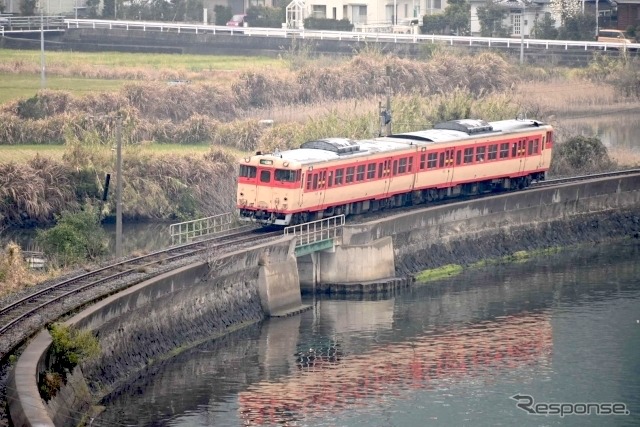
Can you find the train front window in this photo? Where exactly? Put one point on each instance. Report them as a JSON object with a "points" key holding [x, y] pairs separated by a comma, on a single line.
{"points": [[247, 171], [265, 176], [285, 175]]}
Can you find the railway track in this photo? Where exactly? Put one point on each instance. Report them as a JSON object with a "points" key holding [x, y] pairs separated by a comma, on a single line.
{"points": [[25, 316], [21, 318]]}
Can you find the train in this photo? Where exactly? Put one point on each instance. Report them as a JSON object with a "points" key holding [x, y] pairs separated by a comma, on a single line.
{"points": [[334, 176]]}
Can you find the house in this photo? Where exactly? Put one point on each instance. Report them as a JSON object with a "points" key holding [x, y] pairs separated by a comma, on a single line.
{"points": [[520, 19], [628, 14], [371, 14]]}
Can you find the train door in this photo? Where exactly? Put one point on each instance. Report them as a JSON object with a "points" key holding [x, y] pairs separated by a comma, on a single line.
{"points": [[522, 147], [314, 188], [448, 165], [384, 175]]}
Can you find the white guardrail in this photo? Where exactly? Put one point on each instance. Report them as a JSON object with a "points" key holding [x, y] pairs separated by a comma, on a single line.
{"points": [[345, 35]]}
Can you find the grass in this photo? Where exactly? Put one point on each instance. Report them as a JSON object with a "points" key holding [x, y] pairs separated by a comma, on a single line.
{"points": [[439, 273], [22, 153], [83, 72], [15, 86]]}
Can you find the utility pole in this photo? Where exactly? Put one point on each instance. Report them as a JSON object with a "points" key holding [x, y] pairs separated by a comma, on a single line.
{"points": [[522, 24], [389, 99], [119, 186], [43, 81]]}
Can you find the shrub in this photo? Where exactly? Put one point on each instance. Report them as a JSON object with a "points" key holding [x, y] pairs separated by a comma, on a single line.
{"points": [[77, 236], [69, 347], [328, 24], [580, 155]]}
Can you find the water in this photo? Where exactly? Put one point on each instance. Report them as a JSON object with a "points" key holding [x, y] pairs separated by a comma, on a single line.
{"points": [[560, 329]]}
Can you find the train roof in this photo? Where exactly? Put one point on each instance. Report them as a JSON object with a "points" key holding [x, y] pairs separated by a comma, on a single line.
{"points": [[326, 149]]}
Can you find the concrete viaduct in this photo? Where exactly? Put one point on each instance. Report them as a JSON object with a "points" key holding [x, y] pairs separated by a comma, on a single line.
{"points": [[205, 300]]}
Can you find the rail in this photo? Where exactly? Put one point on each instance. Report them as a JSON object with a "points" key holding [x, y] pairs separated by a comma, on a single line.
{"points": [[316, 231], [346, 35], [184, 232]]}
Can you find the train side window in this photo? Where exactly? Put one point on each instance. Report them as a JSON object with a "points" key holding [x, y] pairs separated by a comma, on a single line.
{"points": [[371, 171], [468, 155], [410, 164], [402, 168], [330, 180], [530, 148], [309, 179], [504, 150], [433, 160], [480, 151], [247, 171], [536, 146], [492, 154], [380, 170], [265, 176], [349, 177], [395, 167], [458, 157], [315, 181], [360, 174], [423, 161], [339, 174], [514, 149]]}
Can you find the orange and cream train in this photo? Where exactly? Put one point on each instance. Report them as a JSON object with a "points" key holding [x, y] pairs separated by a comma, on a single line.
{"points": [[336, 176]]}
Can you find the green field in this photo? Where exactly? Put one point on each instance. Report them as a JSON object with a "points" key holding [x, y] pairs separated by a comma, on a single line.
{"points": [[22, 153], [82, 72], [15, 86]]}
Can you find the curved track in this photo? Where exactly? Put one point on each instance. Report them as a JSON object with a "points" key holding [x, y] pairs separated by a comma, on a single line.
{"points": [[17, 318], [24, 317]]}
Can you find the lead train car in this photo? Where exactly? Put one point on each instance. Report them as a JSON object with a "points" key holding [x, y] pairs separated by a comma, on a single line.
{"points": [[341, 176]]}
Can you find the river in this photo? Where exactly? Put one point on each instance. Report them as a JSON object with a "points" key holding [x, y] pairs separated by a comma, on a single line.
{"points": [[558, 330]]}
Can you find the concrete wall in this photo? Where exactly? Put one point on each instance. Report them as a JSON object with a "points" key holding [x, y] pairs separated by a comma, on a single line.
{"points": [[149, 321], [469, 231]]}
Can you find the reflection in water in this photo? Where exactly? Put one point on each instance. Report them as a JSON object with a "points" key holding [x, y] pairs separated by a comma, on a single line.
{"points": [[616, 131], [327, 382], [451, 353]]}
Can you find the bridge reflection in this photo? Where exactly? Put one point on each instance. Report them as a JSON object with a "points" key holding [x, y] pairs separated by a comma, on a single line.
{"points": [[327, 378]]}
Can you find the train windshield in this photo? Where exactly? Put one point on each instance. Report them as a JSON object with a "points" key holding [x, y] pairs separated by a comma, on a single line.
{"points": [[247, 171], [287, 175]]}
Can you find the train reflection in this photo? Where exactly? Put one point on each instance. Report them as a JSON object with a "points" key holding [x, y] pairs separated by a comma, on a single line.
{"points": [[327, 379]]}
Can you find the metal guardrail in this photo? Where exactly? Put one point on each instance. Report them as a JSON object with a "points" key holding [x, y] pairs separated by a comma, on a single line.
{"points": [[346, 35], [316, 231], [185, 232], [31, 23]]}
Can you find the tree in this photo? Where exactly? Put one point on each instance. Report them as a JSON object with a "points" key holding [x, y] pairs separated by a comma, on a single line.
{"points": [[491, 17], [27, 7], [545, 28], [458, 14], [566, 9], [92, 8], [578, 27], [223, 14], [3, 6], [434, 24]]}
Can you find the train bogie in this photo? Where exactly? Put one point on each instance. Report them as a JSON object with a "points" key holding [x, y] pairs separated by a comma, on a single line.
{"points": [[340, 176]]}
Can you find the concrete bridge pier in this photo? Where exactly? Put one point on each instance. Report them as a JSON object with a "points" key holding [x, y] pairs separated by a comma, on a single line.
{"points": [[354, 268]]}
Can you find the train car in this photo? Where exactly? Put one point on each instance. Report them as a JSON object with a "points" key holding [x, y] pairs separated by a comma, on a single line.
{"points": [[335, 176]]}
